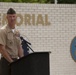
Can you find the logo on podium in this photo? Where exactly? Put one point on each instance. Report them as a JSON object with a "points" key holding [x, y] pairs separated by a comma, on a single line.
{"points": [[73, 49]]}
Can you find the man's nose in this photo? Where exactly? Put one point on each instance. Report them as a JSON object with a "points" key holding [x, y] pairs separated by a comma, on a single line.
{"points": [[12, 18]]}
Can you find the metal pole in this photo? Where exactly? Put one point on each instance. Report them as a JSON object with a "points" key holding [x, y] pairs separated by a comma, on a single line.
{"points": [[55, 1]]}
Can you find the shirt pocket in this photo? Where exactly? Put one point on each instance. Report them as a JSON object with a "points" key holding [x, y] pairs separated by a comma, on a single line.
{"points": [[9, 39], [18, 41]]}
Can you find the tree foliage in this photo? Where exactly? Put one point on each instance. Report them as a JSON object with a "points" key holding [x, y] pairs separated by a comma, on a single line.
{"points": [[67, 1], [41, 1]]}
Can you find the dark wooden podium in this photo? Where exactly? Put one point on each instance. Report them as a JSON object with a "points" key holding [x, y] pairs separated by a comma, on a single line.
{"points": [[36, 63]]}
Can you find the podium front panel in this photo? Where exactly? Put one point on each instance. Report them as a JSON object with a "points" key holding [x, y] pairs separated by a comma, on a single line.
{"points": [[32, 64]]}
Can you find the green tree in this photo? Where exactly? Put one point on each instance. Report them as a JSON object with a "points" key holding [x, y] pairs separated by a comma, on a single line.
{"points": [[27, 1], [19, 1], [14, 0], [5, 0], [42, 1], [67, 1]]}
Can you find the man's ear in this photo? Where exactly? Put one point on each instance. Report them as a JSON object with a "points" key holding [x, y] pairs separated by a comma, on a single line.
{"points": [[16, 16], [6, 16]]}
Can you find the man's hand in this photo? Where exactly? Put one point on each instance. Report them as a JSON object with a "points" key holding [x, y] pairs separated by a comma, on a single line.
{"points": [[5, 54]]}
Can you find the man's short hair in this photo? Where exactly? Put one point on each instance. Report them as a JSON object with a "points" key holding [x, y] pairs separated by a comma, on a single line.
{"points": [[11, 11]]}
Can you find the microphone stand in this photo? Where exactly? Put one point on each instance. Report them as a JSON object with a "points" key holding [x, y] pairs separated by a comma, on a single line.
{"points": [[26, 43]]}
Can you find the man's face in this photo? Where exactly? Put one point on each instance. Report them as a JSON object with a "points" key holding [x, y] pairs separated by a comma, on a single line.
{"points": [[11, 18]]}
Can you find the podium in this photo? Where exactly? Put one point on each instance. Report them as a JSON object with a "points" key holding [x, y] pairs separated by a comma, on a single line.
{"points": [[36, 63]]}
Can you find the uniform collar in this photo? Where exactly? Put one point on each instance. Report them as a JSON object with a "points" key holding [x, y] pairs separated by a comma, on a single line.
{"points": [[8, 29]]}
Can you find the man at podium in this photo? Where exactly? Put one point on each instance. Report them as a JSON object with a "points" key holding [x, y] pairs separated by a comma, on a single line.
{"points": [[10, 45]]}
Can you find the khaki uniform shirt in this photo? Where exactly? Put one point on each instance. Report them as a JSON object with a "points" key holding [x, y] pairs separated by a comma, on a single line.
{"points": [[10, 41]]}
